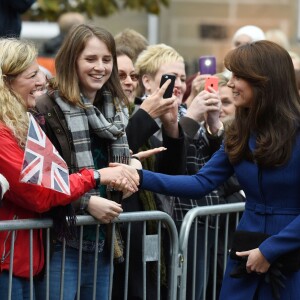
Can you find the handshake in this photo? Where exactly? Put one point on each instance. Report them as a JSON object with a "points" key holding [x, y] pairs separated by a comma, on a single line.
{"points": [[125, 178]]}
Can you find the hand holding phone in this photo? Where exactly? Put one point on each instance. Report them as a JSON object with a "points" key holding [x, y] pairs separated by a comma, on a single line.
{"points": [[169, 91], [212, 82], [207, 65]]}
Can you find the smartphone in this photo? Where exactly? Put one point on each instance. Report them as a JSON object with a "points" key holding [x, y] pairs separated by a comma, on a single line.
{"points": [[207, 65], [169, 91], [213, 82]]}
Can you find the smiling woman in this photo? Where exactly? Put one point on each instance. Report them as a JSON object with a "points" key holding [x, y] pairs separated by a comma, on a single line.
{"points": [[94, 67], [266, 162], [29, 84], [242, 91], [90, 109], [20, 81]]}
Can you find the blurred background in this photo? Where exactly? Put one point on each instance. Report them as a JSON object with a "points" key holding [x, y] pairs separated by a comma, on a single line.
{"points": [[192, 27]]}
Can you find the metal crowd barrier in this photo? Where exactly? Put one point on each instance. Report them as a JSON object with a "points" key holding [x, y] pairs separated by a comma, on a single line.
{"points": [[228, 212], [177, 271], [151, 248]]}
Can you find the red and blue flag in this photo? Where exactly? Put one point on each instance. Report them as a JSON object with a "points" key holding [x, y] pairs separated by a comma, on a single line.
{"points": [[42, 164]]}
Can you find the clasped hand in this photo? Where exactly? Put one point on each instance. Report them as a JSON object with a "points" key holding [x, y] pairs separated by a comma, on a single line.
{"points": [[121, 183], [120, 178]]}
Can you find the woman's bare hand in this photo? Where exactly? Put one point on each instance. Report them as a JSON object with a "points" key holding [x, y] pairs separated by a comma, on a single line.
{"points": [[256, 262], [103, 209], [145, 154], [205, 103], [155, 105], [197, 83]]}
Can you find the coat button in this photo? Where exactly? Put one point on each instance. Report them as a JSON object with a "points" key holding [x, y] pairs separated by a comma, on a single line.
{"points": [[58, 130], [49, 114]]}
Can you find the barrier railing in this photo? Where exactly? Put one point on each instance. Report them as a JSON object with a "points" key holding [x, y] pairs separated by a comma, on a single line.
{"points": [[192, 219], [178, 247], [151, 247]]}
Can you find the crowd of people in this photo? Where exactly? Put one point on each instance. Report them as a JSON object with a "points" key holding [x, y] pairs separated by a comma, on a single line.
{"points": [[104, 111]]}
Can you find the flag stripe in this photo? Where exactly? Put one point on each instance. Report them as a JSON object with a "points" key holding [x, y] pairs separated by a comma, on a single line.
{"points": [[42, 163]]}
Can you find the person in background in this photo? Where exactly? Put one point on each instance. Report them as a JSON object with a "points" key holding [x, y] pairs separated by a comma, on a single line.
{"points": [[20, 83], [140, 132], [65, 22], [193, 87], [137, 43], [10, 16], [296, 60], [227, 108], [49, 48], [279, 37], [154, 62], [127, 74], [266, 162], [132, 39], [245, 35], [151, 64]]}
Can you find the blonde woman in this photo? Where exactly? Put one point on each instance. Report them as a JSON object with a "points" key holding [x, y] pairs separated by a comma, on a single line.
{"points": [[20, 82]]}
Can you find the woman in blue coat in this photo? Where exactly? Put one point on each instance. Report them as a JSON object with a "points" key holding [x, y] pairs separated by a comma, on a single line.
{"points": [[262, 147]]}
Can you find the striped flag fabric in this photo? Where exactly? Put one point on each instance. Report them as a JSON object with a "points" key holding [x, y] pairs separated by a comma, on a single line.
{"points": [[42, 164]]}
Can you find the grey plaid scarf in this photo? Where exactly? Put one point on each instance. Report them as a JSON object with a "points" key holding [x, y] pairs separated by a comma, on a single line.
{"points": [[109, 124]]}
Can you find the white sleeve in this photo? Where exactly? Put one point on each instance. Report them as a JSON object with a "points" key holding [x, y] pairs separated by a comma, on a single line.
{"points": [[4, 185]]}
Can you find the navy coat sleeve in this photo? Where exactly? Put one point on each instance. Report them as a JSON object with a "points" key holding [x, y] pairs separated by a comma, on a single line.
{"points": [[215, 172], [141, 128]]}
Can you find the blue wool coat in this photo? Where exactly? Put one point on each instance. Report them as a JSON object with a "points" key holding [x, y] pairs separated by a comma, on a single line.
{"points": [[275, 211]]}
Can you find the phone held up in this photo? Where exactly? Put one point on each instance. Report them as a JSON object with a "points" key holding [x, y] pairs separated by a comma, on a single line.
{"points": [[169, 91], [211, 82], [207, 65]]}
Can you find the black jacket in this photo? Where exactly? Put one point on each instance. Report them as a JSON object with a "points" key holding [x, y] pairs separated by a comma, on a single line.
{"points": [[51, 46], [141, 128]]}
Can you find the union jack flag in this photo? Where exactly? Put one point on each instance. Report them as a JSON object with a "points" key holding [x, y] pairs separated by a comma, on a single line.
{"points": [[42, 164]]}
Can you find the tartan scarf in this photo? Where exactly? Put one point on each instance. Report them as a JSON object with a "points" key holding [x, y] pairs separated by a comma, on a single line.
{"points": [[109, 124]]}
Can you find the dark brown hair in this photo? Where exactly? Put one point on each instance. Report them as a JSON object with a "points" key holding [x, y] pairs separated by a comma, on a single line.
{"points": [[274, 115]]}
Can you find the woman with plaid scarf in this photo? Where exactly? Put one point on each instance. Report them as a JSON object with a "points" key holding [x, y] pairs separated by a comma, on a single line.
{"points": [[86, 114]]}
